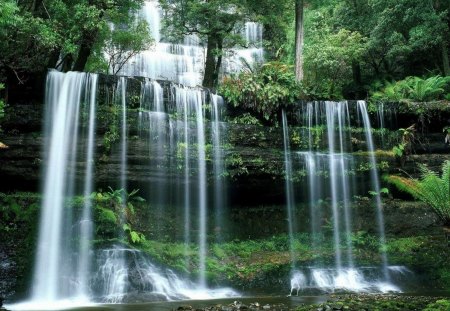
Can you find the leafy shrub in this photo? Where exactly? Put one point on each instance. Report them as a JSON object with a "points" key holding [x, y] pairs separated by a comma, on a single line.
{"points": [[245, 118], [114, 208], [431, 189], [414, 89], [263, 91]]}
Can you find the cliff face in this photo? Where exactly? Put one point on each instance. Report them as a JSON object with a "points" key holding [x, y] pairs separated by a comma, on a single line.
{"points": [[253, 154], [254, 166], [254, 160]]}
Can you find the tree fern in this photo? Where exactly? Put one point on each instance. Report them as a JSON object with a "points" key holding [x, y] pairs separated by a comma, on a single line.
{"points": [[432, 189]]}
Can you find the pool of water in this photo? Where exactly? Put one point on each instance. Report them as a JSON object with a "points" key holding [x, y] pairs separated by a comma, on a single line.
{"points": [[288, 303]]}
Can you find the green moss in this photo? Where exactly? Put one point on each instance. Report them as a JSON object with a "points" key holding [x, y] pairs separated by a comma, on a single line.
{"points": [[440, 305]]}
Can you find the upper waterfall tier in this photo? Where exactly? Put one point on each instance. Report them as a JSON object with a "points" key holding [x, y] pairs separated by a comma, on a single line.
{"points": [[184, 62]]}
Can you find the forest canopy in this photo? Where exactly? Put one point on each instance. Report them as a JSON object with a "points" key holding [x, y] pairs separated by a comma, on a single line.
{"points": [[350, 48]]}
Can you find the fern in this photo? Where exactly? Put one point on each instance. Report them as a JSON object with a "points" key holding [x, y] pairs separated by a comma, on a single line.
{"points": [[408, 185], [426, 89], [432, 189], [414, 89]]}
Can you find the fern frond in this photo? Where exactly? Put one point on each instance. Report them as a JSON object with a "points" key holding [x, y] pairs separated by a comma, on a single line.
{"points": [[432, 189], [408, 185]]}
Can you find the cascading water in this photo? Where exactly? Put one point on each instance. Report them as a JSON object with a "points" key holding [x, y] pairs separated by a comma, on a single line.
{"points": [[173, 123], [201, 188], [86, 223], [185, 116], [328, 168], [290, 203], [67, 273], [218, 163], [143, 280], [184, 62], [375, 183], [59, 275]]}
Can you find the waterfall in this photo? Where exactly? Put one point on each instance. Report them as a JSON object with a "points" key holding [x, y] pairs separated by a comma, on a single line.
{"points": [[218, 163], [201, 188], [290, 202], [122, 103], [184, 105], [185, 115], [139, 275], [375, 181], [184, 62], [57, 274], [86, 224], [328, 163]]}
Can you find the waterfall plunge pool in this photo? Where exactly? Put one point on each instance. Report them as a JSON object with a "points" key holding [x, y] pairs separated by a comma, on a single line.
{"points": [[276, 303]]}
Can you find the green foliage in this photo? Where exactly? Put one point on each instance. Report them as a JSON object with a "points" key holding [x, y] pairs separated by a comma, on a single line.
{"points": [[263, 92], [245, 118], [407, 245], [384, 302], [414, 89], [2, 103], [431, 189], [112, 134], [18, 208], [440, 305], [382, 191], [34, 33], [113, 209], [392, 39], [398, 150], [124, 43], [134, 236], [329, 57], [235, 165]]}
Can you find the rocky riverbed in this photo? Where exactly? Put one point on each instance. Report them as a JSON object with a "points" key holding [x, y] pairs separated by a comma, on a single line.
{"points": [[368, 302], [349, 302]]}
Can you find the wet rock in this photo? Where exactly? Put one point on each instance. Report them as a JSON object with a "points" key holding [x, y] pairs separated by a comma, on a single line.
{"points": [[140, 297]]}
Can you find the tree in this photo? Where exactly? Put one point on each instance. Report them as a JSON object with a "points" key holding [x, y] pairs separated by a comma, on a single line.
{"points": [[213, 21], [330, 55], [102, 11], [276, 16], [124, 43], [36, 35], [405, 37], [25, 38], [299, 40]]}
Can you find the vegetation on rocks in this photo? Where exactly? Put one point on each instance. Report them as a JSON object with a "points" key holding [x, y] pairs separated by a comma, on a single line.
{"points": [[378, 302], [263, 90]]}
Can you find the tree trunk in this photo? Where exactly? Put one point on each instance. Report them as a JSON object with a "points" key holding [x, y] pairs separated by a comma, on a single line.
{"points": [[53, 58], [299, 40], [210, 65], [219, 61], [445, 61], [83, 53], [356, 70], [67, 63], [444, 50]]}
